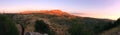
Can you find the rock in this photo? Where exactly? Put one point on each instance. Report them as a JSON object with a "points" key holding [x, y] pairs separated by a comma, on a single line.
{"points": [[34, 33]]}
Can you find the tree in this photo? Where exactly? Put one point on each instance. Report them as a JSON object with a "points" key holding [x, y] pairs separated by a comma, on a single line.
{"points": [[7, 26], [42, 27], [117, 22]]}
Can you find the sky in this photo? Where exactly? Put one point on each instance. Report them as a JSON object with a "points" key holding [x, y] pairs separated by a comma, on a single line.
{"points": [[109, 9]]}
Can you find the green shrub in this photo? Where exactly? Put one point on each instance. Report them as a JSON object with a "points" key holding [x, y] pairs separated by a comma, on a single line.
{"points": [[7, 27], [42, 27]]}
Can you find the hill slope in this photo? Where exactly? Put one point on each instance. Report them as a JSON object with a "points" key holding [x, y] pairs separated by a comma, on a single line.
{"points": [[62, 23]]}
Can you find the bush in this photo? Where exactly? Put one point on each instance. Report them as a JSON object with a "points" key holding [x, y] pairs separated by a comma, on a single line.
{"points": [[117, 22], [7, 27], [42, 27], [75, 29]]}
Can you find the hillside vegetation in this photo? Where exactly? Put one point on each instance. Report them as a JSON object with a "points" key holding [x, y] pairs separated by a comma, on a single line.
{"points": [[7, 26], [61, 23]]}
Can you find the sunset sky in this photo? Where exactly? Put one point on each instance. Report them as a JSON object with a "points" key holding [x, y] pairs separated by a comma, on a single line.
{"points": [[109, 9]]}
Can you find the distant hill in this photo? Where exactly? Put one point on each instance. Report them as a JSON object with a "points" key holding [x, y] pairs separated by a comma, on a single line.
{"points": [[51, 12], [62, 23]]}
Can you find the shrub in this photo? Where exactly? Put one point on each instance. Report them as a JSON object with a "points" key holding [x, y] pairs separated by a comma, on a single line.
{"points": [[117, 22], [42, 27], [7, 26]]}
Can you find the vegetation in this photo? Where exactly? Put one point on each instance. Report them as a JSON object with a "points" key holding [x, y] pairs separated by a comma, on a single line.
{"points": [[42, 27], [74, 25], [114, 30], [88, 26], [7, 26], [117, 22]]}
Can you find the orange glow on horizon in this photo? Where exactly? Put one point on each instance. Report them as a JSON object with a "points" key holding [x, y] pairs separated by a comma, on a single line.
{"points": [[52, 12]]}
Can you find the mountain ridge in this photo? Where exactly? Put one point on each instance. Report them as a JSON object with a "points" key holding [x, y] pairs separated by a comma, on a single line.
{"points": [[52, 12]]}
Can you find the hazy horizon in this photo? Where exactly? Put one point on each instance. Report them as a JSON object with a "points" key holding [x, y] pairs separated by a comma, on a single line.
{"points": [[109, 9]]}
